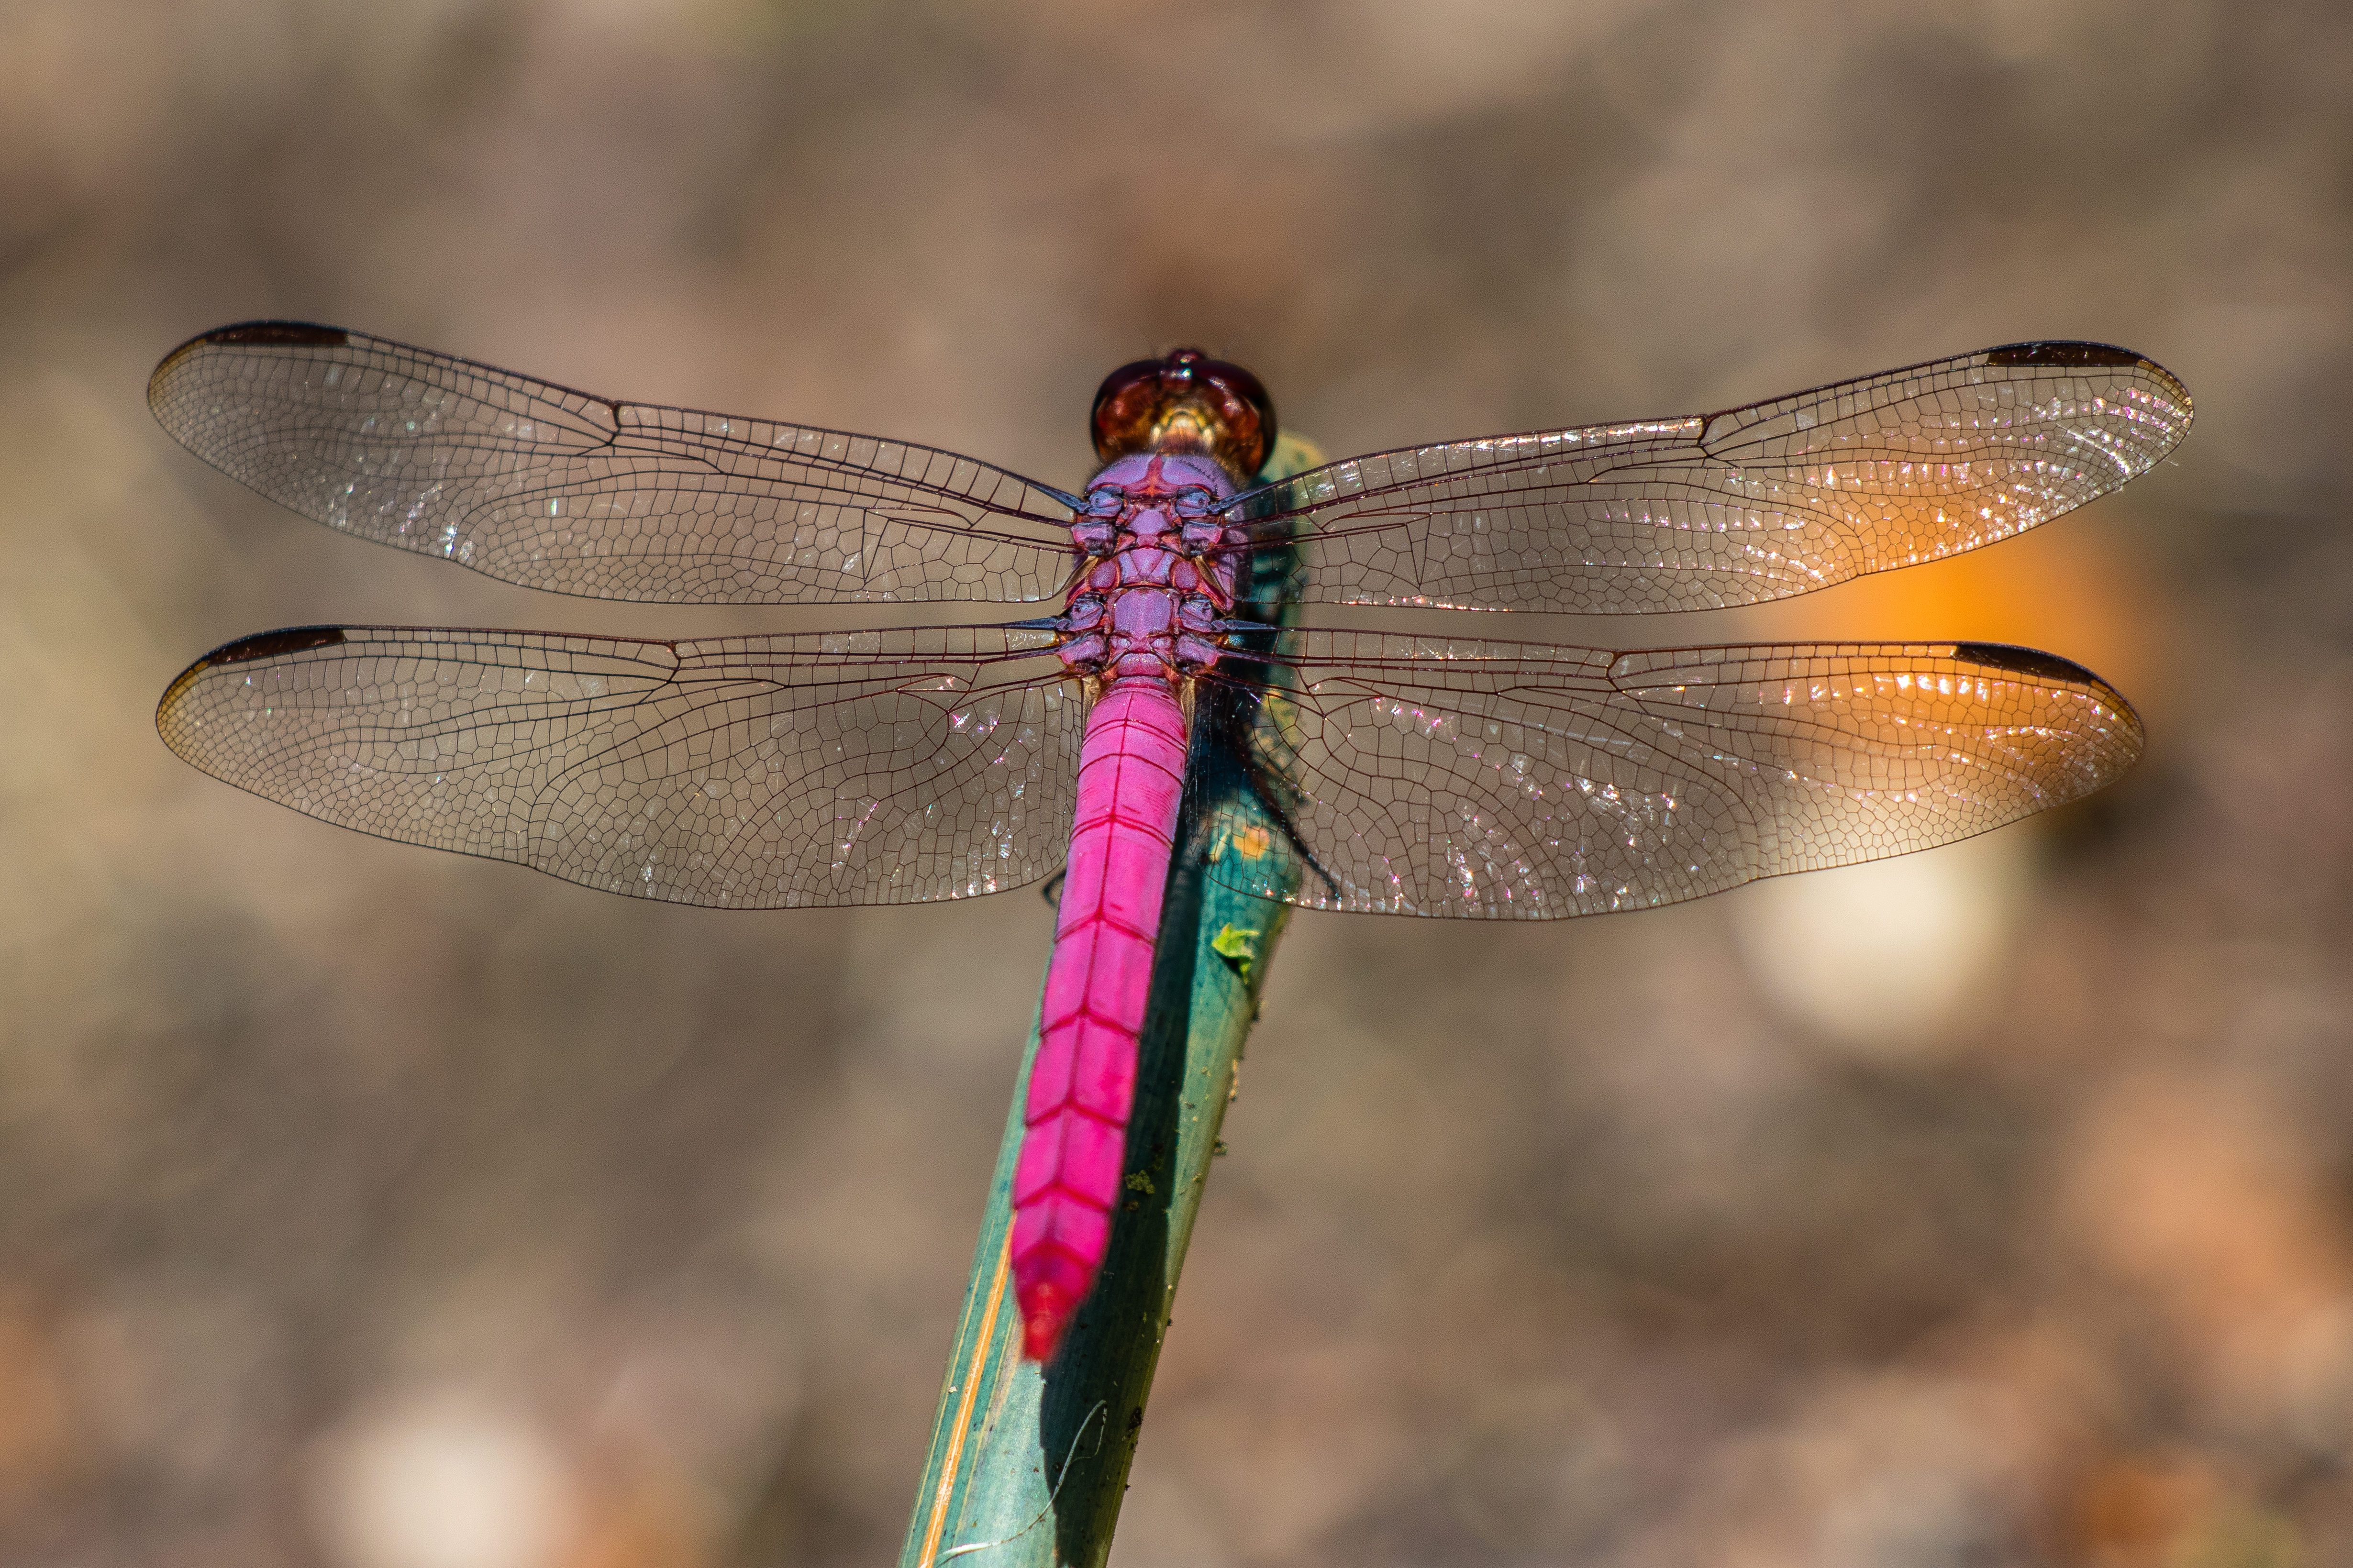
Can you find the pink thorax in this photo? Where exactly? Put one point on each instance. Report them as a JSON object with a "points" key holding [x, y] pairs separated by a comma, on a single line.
{"points": [[1159, 578]]}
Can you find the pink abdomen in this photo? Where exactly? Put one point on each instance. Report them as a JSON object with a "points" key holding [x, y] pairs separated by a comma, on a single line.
{"points": [[1066, 1183]]}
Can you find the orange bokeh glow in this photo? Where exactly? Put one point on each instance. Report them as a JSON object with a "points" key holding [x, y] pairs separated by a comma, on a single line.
{"points": [[2064, 589]]}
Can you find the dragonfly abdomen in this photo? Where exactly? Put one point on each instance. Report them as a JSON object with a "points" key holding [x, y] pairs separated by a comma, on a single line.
{"points": [[1142, 619], [1083, 1083]]}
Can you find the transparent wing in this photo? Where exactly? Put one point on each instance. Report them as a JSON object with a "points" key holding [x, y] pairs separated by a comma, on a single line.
{"points": [[1516, 781], [1761, 502], [537, 484], [754, 772]]}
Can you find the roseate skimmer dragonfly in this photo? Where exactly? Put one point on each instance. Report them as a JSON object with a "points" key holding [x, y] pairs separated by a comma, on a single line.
{"points": [[1383, 771]]}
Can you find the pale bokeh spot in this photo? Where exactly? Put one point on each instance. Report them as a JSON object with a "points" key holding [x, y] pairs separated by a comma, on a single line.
{"points": [[444, 1479], [1891, 958]]}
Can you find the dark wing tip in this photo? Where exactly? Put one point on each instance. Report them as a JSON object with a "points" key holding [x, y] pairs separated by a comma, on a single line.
{"points": [[293, 333], [244, 651], [2087, 357], [2007, 657], [172, 695], [2070, 354], [271, 645], [304, 332], [2036, 665]]}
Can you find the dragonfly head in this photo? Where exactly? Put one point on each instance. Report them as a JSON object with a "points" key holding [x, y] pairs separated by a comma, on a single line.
{"points": [[1187, 402]]}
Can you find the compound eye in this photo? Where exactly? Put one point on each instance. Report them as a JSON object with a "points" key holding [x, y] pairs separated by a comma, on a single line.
{"points": [[1106, 502], [1187, 402]]}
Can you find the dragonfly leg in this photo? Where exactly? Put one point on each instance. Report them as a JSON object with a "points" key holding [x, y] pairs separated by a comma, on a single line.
{"points": [[1265, 790]]}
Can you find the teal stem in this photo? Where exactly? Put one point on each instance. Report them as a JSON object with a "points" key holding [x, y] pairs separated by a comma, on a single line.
{"points": [[1028, 1466]]}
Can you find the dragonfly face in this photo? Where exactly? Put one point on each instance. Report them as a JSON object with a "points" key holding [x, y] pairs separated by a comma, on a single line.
{"points": [[1185, 400], [1160, 570]]}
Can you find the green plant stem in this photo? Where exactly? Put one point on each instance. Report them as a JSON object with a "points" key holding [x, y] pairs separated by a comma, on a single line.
{"points": [[1029, 1467]]}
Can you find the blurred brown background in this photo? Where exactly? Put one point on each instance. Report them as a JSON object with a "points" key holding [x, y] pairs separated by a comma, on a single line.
{"points": [[367, 1208]]}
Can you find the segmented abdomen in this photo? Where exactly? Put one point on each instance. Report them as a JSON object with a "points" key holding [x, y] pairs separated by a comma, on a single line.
{"points": [[1066, 1183]]}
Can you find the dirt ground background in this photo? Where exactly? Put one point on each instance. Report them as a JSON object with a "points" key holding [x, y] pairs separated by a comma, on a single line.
{"points": [[362, 1207]]}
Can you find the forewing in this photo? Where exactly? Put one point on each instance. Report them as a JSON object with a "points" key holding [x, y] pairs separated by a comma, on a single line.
{"points": [[1755, 503], [757, 773], [539, 485], [1517, 781]]}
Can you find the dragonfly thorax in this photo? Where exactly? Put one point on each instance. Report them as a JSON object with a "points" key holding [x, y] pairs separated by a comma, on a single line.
{"points": [[1157, 569]]}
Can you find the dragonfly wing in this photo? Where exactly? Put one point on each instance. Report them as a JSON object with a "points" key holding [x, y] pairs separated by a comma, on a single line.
{"points": [[758, 773], [537, 484], [1761, 502], [1517, 781]]}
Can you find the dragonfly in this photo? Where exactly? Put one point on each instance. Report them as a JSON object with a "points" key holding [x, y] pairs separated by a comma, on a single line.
{"points": [[1176, 691]]}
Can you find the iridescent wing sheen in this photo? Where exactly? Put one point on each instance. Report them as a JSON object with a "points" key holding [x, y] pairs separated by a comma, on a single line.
{"points": [[753, 772], [1755, 503], [1516, 781], [537, 484]]}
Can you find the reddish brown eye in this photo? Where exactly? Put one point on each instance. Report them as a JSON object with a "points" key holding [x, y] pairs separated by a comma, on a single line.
{"points": [[1185, 402]]}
